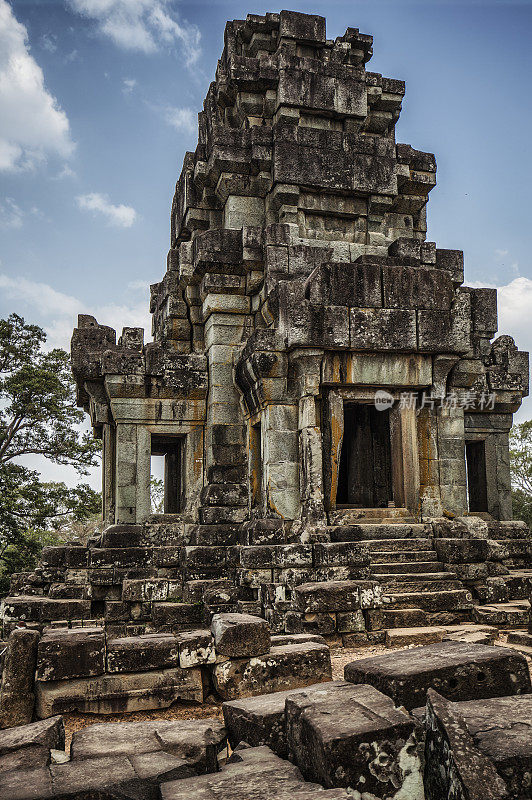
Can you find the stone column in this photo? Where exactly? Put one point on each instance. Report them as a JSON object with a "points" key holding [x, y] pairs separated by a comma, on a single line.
{"points": [[306, 366], [281, 460], [225, 317], [451, 450]]}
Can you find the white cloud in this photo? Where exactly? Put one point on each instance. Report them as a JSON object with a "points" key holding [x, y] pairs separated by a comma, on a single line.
{"points": [[65, 172], [120, 216], [144, 25], [128, 84], [182, 119], [501, 253], [139, 286], [11, 215], [57, 312], [32, 125], [49, 42]]}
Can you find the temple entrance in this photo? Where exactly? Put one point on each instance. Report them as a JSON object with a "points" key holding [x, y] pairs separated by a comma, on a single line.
{"points": [[365, 471], [167, 451], [477, 484]]}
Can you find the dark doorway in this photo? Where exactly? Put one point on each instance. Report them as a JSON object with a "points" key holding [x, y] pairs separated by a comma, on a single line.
{"points": [[477, 485], [169, 447], [365, 474]]}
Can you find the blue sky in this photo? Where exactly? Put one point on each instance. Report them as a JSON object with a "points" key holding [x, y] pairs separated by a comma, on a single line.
{"points": [[98, 103]]}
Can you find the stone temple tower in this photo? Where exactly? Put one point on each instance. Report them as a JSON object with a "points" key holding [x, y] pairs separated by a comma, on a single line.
{"points": [[299, 287], [328, 396]]}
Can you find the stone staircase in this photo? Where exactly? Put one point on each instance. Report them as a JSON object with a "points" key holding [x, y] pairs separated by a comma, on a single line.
{"points": [[388, 571]]}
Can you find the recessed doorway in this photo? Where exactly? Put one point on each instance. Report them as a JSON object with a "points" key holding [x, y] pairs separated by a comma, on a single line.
{"points": [[477, 484], [365, 470]]}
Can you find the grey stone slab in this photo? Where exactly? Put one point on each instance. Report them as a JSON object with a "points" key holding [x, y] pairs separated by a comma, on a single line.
{"points": [[284, 667], [255, 773], [240, 635], [71, 653], [454, 767], [345, 735], [457, 670]]}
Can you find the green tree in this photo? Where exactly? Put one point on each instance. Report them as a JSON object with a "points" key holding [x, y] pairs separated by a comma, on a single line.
{"points": [[521, 470], [38, 417]]}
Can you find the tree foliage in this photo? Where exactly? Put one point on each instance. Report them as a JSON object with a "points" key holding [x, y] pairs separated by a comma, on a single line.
{"points": [[38, 417], [521, 470]]}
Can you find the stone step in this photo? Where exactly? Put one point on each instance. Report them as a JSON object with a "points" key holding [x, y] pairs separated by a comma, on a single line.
{"points": [[400, 545], [350, 516], [398, 557], [513, 615], [405, 567], [431, 601], [380, 619], [360, 533], [420, 577], [402, 637], [424, 584], [45, 609]]}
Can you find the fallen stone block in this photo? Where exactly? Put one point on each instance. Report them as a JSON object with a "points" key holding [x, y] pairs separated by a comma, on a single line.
{"points": [[70, 653], [501, 729], [196, 647], [258, 721], [286, 667], [520, 637], [513, 615], [400, 637], [27, 784], [240, 635], [344, 735], [195, 741], [454, 767], [457, 670], [141, 653], [110, 694], [28, 747], [254, 772]]}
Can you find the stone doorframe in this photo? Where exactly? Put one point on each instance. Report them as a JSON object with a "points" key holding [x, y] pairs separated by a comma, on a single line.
{"points": [[404, 445]]}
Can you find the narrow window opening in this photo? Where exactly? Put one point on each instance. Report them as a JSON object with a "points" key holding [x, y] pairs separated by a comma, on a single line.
{"points": [[365, 473], [256, 465], [477, 485], [166, 474]]}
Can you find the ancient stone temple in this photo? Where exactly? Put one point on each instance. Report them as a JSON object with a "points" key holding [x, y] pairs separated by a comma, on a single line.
{"points": [[299, 287], [332, 407]]}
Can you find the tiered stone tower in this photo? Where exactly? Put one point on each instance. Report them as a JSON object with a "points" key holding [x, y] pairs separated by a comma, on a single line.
{"points": [[326, 392]]}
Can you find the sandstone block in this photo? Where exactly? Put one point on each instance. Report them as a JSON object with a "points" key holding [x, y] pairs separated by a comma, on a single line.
{"points": [[16, 693], [454, 765], [196, 742], [254, 772], [140, 653], [70, 653], [337, 596], [457, 670], [345, 735], [240, 635], [284, 667], [111, 694], [196, 647]]}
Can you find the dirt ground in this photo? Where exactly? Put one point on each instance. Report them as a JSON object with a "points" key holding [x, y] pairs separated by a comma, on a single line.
{"points": [[340, 656]]}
